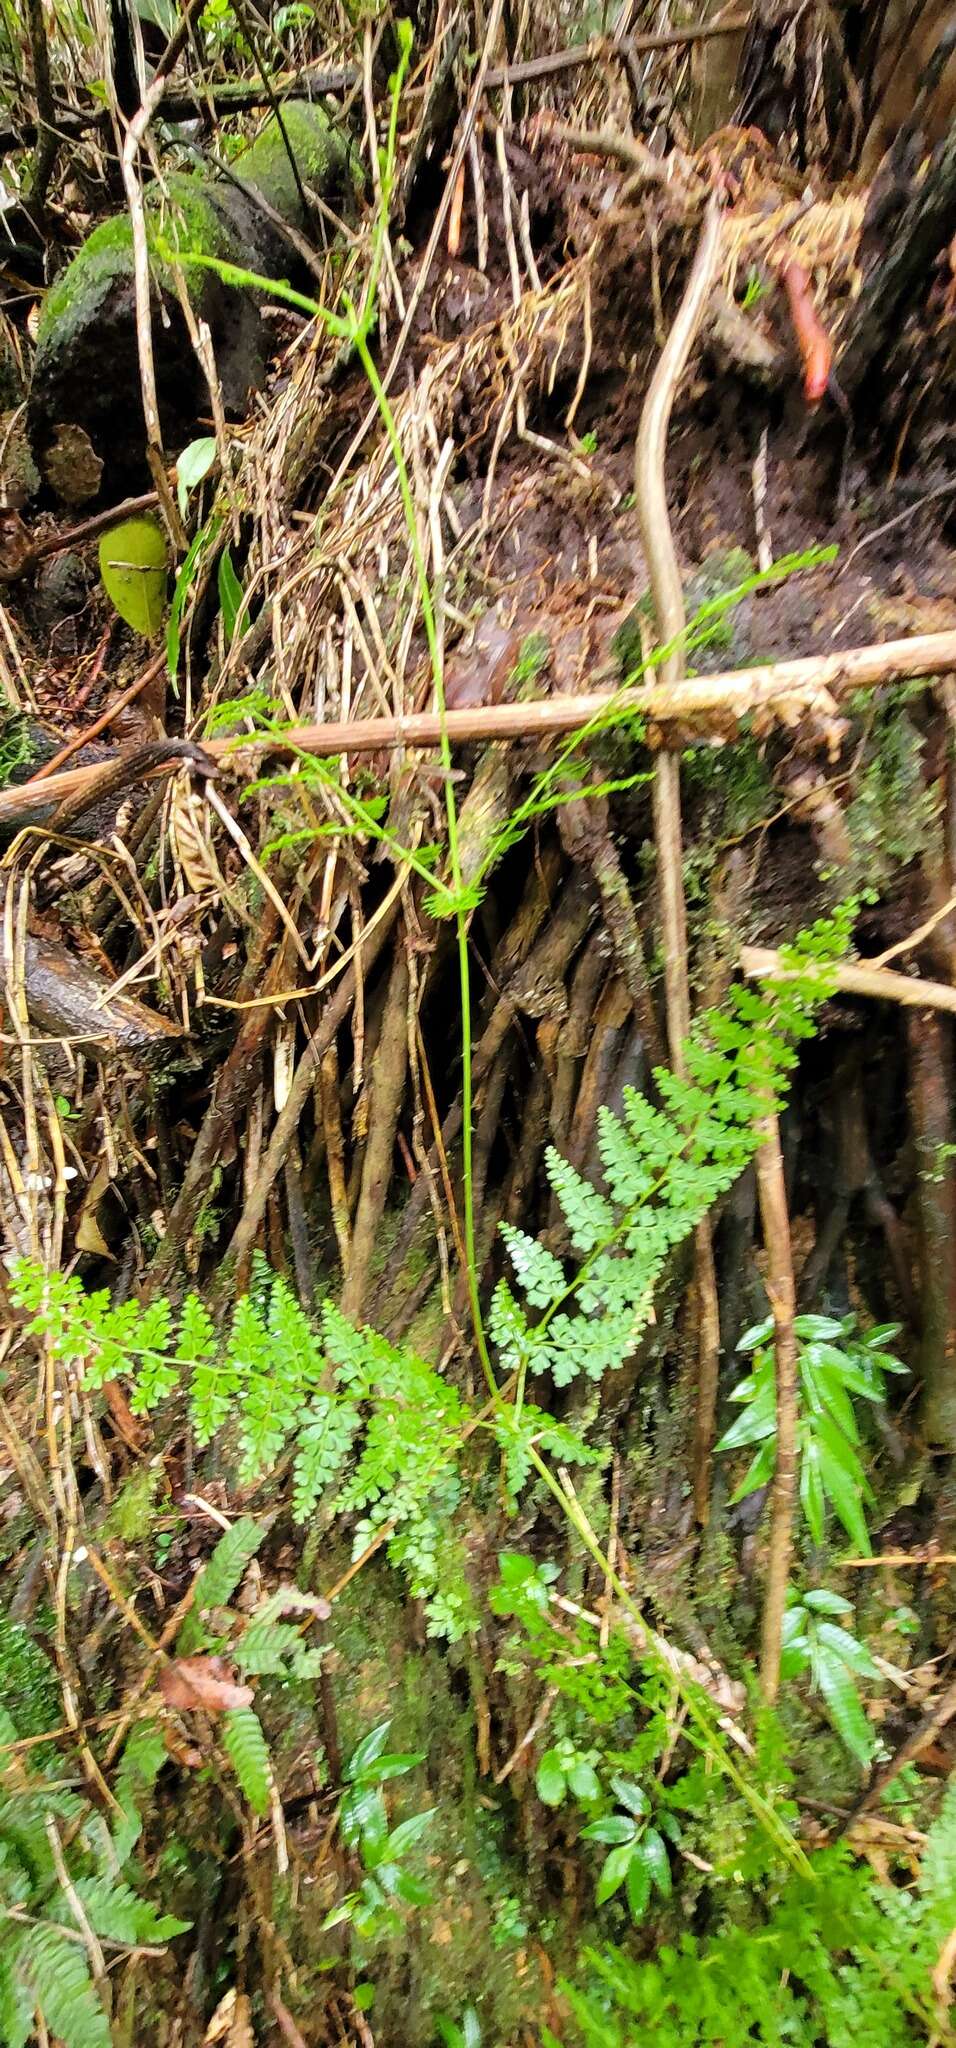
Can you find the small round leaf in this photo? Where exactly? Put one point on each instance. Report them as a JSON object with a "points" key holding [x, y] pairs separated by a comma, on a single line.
{"points": [[133, 569]]}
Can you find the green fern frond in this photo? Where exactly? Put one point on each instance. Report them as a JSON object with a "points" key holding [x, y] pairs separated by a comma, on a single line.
{"points": [[223, 1571], [54, 1969], [248, 1752]]}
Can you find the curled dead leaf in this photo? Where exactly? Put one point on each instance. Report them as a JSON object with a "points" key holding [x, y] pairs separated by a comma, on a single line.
{"points": [[202, 1682]]}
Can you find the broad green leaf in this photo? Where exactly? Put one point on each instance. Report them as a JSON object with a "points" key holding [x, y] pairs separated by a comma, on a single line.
{"points": [[409, 1831], [194, 463], [614, 1872], [584, 1782], [630, 1795], [638, 1884], [842, 1485], [230, 595], [612, 1828], [853, 1652], [843, 1701], [759, 1471], [822, 1601], [365, 1752], [759, 1333], [392, 1766], [363, 1816], [411, 1890], [811, 1488], [549, 1778], [247, 1750], [133, 569], [657, 1861], [812, 1329]]}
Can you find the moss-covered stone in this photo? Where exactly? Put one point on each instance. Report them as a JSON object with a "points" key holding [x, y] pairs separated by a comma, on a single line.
{"points": [[86, 370], [322, 157]]}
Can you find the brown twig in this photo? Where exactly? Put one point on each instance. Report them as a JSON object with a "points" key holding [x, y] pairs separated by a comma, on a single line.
{"points": [[387, 1090], [601, 47], [926, 1732], [650, 491], [91, 732], [287, 1121]]}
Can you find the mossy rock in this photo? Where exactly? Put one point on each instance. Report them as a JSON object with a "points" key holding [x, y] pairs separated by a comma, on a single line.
{"points": [[323, 158], [86, 371]]}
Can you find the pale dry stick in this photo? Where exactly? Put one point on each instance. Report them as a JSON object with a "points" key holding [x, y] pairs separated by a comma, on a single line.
{"points": [[527, 249], [168, 1634], [507, 207], [287, 1121], [255, 867], [97, 1960], [132, 182], [624, 149], [855, 978], [481, 210], [91, 732], [372, 134], [782, 1293], [785, 690], [650, 490], [761, 528]]}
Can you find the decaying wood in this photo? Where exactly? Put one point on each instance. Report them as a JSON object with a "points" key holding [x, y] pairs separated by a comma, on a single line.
{"points": [[69, 999]]}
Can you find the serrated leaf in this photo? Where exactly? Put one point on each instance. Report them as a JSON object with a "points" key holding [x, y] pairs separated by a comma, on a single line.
{"points": [[58, 1975], [853, 1652], [657, 1861], [630, 1795], [217, 1582], [248, 1752], [133, 571]]}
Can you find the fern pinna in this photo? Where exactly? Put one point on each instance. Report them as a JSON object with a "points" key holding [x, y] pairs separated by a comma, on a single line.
{"points": [[376, 1433], [50, 1929]]}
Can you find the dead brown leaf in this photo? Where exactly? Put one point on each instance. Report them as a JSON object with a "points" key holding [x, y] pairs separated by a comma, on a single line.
{"points": [[204, 1682]]}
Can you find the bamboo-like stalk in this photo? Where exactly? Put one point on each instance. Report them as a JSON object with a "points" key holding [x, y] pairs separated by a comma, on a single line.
{"points": [[783, 690], [855, 978]]}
